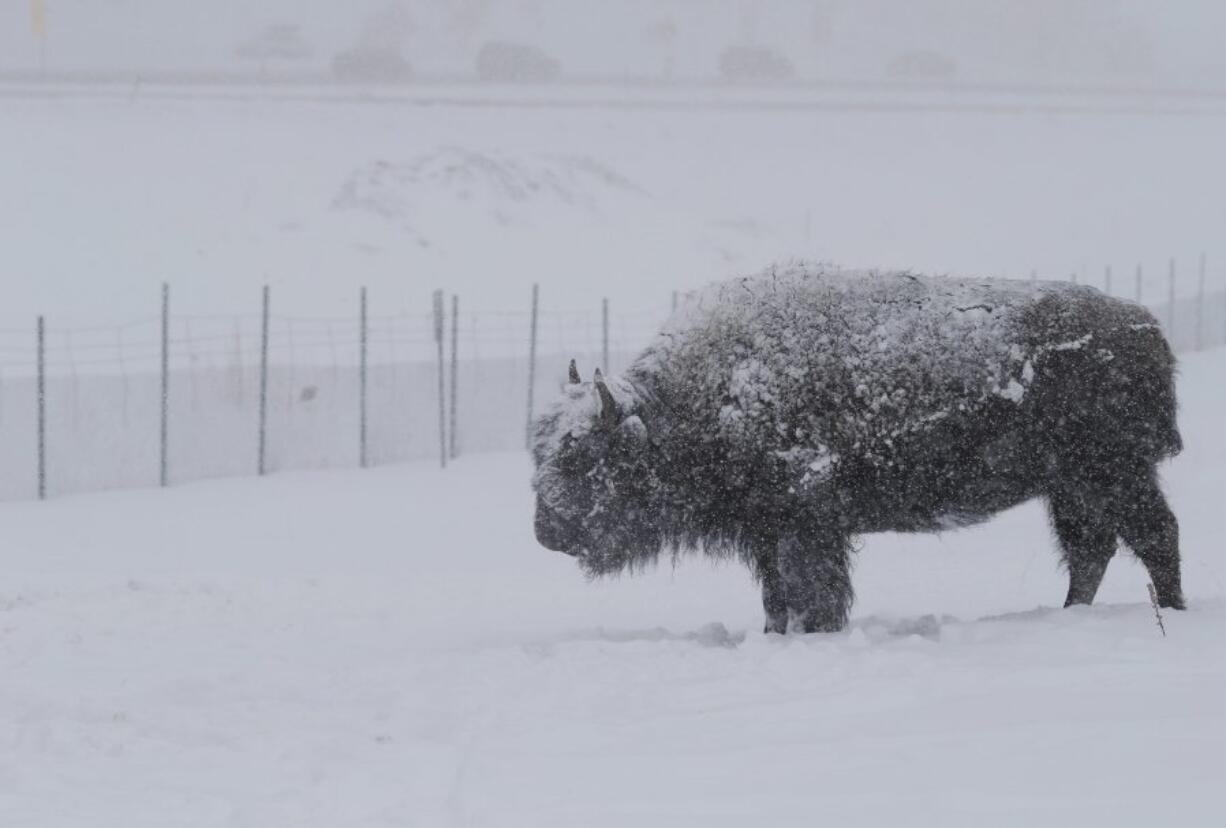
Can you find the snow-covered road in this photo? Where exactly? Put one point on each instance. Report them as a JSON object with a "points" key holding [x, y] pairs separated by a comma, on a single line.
{"points": [[391, 647]]}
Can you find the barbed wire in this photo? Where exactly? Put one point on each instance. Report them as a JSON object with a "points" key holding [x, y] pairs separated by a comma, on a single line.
{"points": [[212, 338]]}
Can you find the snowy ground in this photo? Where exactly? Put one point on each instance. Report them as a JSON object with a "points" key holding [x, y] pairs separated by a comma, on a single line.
{"points": [[392, 648]]}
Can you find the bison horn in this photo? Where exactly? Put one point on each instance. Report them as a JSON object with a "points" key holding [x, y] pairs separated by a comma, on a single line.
{"points": [[574, 373], [608, 406]]}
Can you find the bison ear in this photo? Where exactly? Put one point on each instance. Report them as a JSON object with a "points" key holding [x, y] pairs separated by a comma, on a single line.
{"points": [[574, 373], [608, 406]]}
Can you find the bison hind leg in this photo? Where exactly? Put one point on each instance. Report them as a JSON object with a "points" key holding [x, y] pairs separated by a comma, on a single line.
{"points": [[1149, 528], [1087, 539], [1090, 513]]}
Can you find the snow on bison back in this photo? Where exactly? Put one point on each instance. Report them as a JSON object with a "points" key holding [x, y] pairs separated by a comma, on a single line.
{"points": [[781, 414]]}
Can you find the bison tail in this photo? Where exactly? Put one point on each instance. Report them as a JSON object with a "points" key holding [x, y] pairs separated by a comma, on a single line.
{"points": [[1169, 442], [1154, 401]]}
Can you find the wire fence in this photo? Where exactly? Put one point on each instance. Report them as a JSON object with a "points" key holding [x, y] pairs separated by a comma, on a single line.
{"points": [[175, 396]]}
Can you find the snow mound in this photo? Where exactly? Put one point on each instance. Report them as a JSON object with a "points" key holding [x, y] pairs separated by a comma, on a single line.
{"points": [[493, 185]]}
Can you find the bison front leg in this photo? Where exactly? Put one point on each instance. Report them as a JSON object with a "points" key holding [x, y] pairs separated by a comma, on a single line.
{"points": [[774, 598], [815, 572]]}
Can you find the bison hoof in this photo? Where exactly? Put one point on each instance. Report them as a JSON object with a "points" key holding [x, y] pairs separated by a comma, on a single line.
{"points": [[1176, 603]]}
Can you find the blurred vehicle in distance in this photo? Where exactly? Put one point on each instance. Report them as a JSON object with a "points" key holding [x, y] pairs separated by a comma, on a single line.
{"points": [[278, 42], [754, 64], [923, 64], [359, 65], [509, 62]]}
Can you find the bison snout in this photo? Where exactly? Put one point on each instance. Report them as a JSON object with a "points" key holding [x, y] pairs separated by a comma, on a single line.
{"points": [[554, 535]]}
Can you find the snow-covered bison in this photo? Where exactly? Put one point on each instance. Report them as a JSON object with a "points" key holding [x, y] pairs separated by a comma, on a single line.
{"points": [[779, 415]]}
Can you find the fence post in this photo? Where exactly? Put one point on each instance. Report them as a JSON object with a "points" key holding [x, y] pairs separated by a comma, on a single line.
{"points": [[42, 409], [604, 334], [1170, 301], [1200, 304], [674, 301], [536, 295], [1107, 281], [123, 369], [1138, 286], [264, 385], [442, 397], [364, 338], [455, 370], [165, 434]]}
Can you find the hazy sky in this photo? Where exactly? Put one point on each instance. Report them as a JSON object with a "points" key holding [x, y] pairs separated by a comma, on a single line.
{"points": [[992, 40]]}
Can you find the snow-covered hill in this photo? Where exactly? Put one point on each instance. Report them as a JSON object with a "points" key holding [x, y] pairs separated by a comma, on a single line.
{"points": [[105, 199], [391, 647]]}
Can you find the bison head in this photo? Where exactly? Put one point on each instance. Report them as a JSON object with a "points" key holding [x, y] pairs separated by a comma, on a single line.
{"points": [[594, 478]]}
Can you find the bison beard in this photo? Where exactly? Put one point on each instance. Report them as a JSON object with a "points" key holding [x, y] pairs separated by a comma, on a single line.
{"points": [[781, 415]]}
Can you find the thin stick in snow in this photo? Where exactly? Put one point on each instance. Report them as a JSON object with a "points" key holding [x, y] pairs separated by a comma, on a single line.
{"points": [[1153, 600]]}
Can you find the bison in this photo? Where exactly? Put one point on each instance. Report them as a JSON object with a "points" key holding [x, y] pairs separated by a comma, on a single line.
{"points": [[777, 417]]}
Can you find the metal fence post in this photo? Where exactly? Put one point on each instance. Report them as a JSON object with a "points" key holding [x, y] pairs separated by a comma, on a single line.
{"points": [[264, 386], [442, 398], [1107, 281], [604, 334], [165, 432], [536, 294], [364, 337], [1200, 304], [42, 409], [1170, 301], [1138, 285], [455, 371]]}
